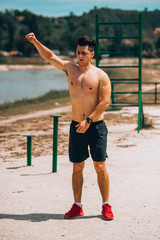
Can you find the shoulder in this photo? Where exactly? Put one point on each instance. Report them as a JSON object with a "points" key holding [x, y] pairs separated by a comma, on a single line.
{"points": [[71, 66], [102, 76], [101, 72]]}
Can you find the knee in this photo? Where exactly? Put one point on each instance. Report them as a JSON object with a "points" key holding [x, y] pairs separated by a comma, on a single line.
{"points": [[100, 167], [78, 167]]}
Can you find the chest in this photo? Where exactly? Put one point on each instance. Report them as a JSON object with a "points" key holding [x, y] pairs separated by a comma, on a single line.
{"points": [[80, 82]]}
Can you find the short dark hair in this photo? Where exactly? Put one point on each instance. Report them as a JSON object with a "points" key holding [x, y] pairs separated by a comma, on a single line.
{"points": [[87, 41]]}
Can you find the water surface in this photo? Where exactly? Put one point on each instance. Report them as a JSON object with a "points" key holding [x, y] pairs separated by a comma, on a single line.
{"points": [[20, 84]]}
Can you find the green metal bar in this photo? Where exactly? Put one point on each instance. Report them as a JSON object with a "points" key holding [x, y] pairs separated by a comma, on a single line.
{"points": [[55, 141], [124, 105], [155, 93], [118, 37], [102, 23], [125, 79], [140, 113], [133, 66], [97, 40], [117, 52], [112, 92], [126, 92], [29, 149], [151, 82]]}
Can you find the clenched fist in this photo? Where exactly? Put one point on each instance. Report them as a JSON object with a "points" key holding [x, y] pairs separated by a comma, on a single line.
{"points": [[31, 37]]}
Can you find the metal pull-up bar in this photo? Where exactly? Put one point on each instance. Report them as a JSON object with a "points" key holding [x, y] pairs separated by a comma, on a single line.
{"points": [[139, 66]]}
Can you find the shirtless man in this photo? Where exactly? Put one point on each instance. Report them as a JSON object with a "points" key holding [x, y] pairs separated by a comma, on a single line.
{"points": [[90, 91]]}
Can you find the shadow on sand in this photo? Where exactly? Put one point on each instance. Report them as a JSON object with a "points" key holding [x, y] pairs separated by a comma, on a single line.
{"points": [[41, 217]]}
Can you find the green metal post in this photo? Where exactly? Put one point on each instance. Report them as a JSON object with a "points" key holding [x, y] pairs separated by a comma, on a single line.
{"points": [[29, 149], [97, 40], [140, 117], [55, 142], [112, 92], [155, 93]]}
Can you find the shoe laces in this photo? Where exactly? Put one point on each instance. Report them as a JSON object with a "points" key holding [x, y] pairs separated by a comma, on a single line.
{"points": [[107, 208]]}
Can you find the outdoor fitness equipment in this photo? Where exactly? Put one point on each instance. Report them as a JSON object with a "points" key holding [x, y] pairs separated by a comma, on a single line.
{"points": [[139, 66], [29, 149], [55, 144], [55, 141]]}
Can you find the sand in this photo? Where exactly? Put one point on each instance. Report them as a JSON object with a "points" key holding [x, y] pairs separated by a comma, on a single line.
{"points": [[33, 200]]}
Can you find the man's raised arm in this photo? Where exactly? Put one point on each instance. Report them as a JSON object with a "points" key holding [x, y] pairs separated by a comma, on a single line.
{"points": [[47, 54]]}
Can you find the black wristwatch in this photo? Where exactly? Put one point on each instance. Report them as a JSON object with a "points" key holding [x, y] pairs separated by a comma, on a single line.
{"points": [[89, 120]]}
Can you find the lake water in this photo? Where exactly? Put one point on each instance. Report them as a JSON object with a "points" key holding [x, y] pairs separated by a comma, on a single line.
{"points": [[17, 85]]}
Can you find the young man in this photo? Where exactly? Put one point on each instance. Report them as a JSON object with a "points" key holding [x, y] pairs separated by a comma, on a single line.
{"points": [[90, 91]]}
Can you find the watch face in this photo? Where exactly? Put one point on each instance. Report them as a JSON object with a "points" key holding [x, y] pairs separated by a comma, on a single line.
{"points": [[89, 120]]}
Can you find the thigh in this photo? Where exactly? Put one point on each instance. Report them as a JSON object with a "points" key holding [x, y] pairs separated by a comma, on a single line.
{"points": [[78, 146], [98, 142]]}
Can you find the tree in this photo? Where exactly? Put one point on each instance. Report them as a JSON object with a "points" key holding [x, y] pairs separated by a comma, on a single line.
{"points": [[147, 49], [157, 45]]}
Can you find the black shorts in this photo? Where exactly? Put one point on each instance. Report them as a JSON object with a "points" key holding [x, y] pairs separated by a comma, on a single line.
{"points": [[95, 137]]}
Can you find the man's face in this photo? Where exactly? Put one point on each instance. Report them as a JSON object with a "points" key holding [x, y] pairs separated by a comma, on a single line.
{"points": [[84, 55]]}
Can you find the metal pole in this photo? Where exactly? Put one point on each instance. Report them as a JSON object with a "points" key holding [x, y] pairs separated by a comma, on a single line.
{"points": [[29, 149], [140, 73], [55, 141], [155, 93], [97, 40], [112, 93]]}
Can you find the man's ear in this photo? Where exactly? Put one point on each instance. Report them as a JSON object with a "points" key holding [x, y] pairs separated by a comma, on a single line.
{"points": [[92, 54]]}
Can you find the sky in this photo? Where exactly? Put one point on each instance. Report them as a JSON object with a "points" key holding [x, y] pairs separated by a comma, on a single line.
{"points": [[57, 8]]}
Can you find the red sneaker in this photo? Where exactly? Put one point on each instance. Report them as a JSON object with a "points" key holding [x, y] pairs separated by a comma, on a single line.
{"points": [[74, 212], [107, 212]]}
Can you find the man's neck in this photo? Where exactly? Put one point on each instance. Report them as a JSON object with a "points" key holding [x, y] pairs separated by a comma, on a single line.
{"points": [[85, 68]]}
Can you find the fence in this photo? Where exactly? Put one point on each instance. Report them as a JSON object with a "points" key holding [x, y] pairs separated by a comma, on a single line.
{"points": [[148, 92], [147, 100]]}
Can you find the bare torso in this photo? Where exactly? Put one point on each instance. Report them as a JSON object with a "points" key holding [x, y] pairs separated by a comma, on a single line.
{"points": [[89, 86], [84, 91]]}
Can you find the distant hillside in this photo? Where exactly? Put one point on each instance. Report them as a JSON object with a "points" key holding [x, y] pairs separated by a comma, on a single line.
{"points": [[61, 33]]}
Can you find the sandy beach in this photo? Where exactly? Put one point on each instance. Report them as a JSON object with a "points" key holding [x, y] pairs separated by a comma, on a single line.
{"points": [[34, 200]]}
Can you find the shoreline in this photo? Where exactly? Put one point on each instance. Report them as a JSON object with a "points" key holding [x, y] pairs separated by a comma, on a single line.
{"points": [[104, 61], [44, 102], [11, 67]]}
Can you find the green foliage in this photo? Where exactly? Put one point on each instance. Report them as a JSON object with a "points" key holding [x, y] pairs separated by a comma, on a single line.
{"points": [[62, 32], [51, 95]]}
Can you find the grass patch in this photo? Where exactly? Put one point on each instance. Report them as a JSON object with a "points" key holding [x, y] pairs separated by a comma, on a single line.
{"points": [[40, 103]]}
